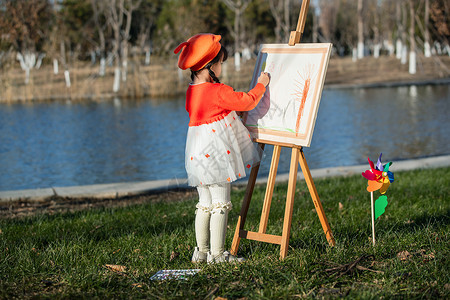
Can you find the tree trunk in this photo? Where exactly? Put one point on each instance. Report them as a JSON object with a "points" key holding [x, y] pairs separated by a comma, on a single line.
{"points": [[287, 22], [237, 19], [128, 12], [277, 16], [280, 11], [116, 24], [238, 7], [400, 30], [124, 55], [376, 32], [412, 40], [427, 48], [360, 30], [315, 30], [96, 6], [55, 66]]}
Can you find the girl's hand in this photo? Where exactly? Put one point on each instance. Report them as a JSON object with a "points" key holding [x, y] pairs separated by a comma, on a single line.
{"points": [[264, 78]]}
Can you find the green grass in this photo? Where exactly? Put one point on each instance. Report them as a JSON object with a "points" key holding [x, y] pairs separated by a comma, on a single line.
{"points": [[64, 255]]}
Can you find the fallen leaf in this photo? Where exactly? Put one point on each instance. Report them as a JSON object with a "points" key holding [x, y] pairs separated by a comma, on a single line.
{"points": [[136, 285], [420, 252], [174, 255], [116, 268], [429, 256], [403, 255], [96, 227]]}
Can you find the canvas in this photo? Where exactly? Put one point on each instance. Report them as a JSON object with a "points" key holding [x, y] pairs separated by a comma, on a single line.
{"points": [[287, 112]]}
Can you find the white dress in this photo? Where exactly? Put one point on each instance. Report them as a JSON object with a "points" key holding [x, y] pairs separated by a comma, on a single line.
{"points": [[219, 152]]}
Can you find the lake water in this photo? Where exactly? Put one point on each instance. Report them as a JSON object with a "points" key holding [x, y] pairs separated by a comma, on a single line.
{"points": [[79, 143]]}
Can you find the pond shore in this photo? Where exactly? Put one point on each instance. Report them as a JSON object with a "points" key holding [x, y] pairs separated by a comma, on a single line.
{"points": [[57, 199], [161, 79]]}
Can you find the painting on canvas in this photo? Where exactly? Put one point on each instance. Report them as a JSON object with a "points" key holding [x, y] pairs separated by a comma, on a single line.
{"points": [[288, 109]]}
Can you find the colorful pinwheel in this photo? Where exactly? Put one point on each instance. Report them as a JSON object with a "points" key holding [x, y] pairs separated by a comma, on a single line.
{"points": [[379, 178]]}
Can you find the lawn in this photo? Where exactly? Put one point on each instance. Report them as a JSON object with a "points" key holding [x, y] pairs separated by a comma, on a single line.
{"points": [[112, 252]]}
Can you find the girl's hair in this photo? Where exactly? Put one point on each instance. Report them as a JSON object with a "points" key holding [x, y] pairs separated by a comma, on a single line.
{"points": [[223, 53]]}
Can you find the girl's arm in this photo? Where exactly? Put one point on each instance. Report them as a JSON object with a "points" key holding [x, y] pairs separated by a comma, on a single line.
{"points": [[240, 101]]}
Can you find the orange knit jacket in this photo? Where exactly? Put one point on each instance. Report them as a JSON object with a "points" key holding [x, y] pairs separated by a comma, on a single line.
{"points": [[209, 102]]}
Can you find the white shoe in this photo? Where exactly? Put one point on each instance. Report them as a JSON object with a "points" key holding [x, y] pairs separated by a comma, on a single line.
{"points": [[199, 257], [224, 257]]}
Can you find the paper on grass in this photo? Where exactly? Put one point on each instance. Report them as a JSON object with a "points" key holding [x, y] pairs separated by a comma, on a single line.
{"points": [[174, 274]]}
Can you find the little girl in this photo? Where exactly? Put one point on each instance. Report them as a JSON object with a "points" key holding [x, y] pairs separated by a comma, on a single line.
{"points": [[219, 149]]}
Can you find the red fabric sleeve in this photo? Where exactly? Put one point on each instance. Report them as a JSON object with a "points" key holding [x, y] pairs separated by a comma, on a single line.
{"points": [[240, 101]]}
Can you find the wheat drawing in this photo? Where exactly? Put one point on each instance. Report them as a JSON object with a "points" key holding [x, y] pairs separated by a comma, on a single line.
{"points": [[301, 92]]}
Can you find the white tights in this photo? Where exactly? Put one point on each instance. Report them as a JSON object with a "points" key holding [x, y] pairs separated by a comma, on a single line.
{"points": [[212, 217]]}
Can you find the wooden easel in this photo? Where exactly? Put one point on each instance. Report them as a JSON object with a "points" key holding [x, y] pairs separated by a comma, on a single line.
{"points": [[296, 157]]}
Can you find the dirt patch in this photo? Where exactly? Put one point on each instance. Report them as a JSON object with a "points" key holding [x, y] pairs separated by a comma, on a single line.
{"points": [[55, 204]]}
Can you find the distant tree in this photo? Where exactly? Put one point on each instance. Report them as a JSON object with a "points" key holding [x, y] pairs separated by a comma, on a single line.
{"points": [[144, 21], [376, 28], [315, 16], [25, 25], [412, 38], [387, 24], [343, 26], [360, 16], [329, 14], [440, 21], [181, 19], [258, 22], [76, 24], [281, 12], [119, 15], [427, 48], [101, 26], [238, 7], [178, 20]]}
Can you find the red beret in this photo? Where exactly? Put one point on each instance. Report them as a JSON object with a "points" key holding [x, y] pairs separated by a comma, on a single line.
{"points": [[198, 51]]}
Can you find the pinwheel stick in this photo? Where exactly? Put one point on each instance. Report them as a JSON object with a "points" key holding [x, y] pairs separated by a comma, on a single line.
{"points": [[373, 218]]}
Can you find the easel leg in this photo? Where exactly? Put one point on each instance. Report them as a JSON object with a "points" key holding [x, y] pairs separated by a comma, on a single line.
{"points": [[245, 206], [269, 190], [315, 197], [289, 202]]}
